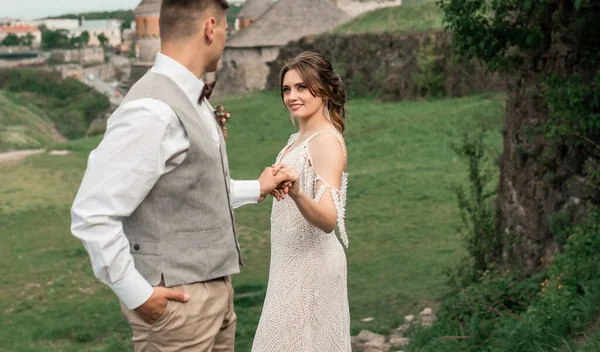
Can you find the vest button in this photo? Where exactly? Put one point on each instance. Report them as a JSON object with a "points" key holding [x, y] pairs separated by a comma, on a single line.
{"points": [[136, 247]]}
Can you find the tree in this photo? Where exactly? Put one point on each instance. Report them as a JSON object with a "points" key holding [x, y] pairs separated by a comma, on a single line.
{"points": [[58, 39], [126, 24], [103, 40], [85, 38], [550, 169], [11, 40], [27, 40], [81, 40]]}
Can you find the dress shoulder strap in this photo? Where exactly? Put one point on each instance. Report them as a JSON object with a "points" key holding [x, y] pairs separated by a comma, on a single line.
{"points": [[337, 134]]}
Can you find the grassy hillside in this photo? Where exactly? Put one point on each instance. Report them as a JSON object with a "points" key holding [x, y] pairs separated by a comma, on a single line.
{"points": [[401, 220], [414, 16], [24, 126], [68, 103]]}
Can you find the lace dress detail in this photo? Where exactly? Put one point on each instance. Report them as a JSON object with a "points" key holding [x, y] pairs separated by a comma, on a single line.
{"points": [[306, 306]]}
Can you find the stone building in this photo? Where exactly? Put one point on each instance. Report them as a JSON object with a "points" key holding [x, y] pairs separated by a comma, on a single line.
{"points": [[22, 30], [147, 37], [55, 24], [244, 66], [111, 29], [251, 11], [264, 26]]}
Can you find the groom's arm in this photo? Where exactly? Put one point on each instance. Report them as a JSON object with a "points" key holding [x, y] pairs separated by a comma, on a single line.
{"points": [[251, 192], [244, 192], [120, 173]]}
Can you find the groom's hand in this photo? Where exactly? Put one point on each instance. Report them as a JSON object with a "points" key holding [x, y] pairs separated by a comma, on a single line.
{"points": [[270, 180], [156, 305]]}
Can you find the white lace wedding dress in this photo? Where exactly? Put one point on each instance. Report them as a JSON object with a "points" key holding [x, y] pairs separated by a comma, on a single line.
{"points": [[306, 306]]}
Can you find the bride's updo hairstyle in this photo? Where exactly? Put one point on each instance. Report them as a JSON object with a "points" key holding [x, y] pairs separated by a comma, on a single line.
{"points": [[322, 81]]}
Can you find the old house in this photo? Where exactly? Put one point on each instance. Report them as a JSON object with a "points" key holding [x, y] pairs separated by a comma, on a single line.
{"points": [[251, 11], [147, 42], [244, 64], [27, 33], [147, 32], [110, 29]]}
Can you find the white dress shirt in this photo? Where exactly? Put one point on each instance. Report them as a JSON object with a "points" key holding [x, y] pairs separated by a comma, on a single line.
{"points": [[144, 139]]}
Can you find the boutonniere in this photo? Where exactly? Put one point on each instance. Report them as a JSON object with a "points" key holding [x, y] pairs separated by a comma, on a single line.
{"points": [[222, 116]]}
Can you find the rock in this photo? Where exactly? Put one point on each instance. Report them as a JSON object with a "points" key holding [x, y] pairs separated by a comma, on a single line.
{"points": [[367, 336], [366, 320], [426, 317], [373, 347], [355, 341], [357, 347], [403, 328], [427, 321], [426, 311], [399, 341], [409, 318]]}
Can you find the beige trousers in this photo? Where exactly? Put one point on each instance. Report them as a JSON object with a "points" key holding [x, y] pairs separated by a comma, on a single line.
{"points": [[206, 323]]}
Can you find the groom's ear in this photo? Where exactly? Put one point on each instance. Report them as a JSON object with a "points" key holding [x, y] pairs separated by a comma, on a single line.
{"points": [[209, 29]]}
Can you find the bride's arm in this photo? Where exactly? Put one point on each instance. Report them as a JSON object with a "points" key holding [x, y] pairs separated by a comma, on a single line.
{"points": [[328, 159]]}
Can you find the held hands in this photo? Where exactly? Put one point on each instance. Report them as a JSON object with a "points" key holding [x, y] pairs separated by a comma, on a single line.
{"points": [[274, 179], [156, 305], [291, 187]]}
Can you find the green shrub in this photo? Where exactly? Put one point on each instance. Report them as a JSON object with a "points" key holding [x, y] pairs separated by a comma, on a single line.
{"points": [[507, 312]]}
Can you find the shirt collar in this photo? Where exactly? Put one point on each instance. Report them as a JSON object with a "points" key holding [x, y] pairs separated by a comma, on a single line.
{"points": [[184, 78]]}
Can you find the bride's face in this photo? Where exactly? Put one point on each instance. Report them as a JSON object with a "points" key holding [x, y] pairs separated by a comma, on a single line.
{"points": [[297, 97]]}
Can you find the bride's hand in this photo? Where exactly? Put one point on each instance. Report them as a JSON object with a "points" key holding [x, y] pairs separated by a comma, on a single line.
{"points": [[291, 187], [285, 188]]}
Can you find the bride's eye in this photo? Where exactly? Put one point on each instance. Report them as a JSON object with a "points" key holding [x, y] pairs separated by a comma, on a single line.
{"points": [[301, 87], [286, 89]]}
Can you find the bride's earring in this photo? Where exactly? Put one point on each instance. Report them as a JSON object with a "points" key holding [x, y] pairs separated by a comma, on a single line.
{"points": [[326, 112]]}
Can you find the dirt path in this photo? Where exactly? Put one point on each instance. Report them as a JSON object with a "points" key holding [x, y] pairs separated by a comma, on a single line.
{"points": [[16, 156]]}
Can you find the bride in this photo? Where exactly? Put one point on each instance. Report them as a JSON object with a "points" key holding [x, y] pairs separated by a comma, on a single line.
{"points": [[306, 306]]}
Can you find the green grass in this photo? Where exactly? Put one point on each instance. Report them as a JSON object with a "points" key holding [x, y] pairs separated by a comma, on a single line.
{"points": [[401, 220], [415, 16], [590, 342], [22, 125]]}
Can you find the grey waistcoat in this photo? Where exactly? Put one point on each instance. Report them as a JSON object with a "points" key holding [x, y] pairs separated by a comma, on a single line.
{"points": [[184, 228]]}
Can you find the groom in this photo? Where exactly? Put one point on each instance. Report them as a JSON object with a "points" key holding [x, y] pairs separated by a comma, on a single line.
{"points": [[154, 210]]}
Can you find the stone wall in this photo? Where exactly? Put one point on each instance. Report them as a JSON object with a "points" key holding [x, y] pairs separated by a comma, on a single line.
{"points": [[35, 61], [100, 72], [85, 56], [148, 47], [243, 70], [393, 66]]}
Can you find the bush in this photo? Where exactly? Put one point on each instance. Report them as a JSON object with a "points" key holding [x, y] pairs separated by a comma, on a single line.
{"points": [[477, 210], [507, 312]]}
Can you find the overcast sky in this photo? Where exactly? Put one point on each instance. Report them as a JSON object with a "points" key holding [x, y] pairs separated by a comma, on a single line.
{"points": [[32, 9]]}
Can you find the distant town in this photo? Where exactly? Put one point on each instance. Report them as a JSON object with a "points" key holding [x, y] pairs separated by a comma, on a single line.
{"points": [[110, 51]]}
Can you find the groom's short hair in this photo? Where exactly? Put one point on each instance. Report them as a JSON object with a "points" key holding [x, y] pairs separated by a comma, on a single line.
{"points": [[180, 18]]}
